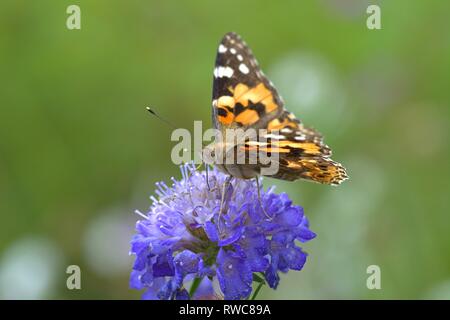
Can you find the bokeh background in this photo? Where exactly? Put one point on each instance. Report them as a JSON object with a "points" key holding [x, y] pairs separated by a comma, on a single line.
{"points": [[78, 152]]}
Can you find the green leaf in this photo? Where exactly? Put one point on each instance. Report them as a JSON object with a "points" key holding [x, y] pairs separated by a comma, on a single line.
{"points": [[255, 294], [258, 279], [194, 286]]}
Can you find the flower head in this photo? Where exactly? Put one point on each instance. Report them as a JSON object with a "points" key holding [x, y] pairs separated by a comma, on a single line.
{"points": [[215, 230]]}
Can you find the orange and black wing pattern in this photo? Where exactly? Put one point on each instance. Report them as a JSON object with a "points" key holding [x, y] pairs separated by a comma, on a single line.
{"points": [[243, 97], [301, 152]]}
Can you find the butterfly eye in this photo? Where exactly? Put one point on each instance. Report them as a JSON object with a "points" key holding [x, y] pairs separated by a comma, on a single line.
{"points": [[209, 154]]}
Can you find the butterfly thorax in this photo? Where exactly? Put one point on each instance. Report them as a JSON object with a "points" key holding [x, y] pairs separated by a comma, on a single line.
{"points": [[230, 158]]}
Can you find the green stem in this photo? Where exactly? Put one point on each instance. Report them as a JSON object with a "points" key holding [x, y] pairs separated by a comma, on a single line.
{"points": [[194, 286], [258, 288]]}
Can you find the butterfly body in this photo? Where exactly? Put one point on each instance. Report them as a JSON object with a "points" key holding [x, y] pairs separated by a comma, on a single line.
{"points": [[244, 99], [238, 170], [241, 171]]}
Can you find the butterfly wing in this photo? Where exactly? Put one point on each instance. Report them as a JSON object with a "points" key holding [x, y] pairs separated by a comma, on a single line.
{"points": [[243, 97]]}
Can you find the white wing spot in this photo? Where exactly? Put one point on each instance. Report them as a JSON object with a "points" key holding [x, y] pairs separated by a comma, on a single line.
{"points": [[286, 130], [274, 136], [299, 138], [222, 48], [233, 51], [220, 72], [256, 143], [243, 68], [240, 58]]}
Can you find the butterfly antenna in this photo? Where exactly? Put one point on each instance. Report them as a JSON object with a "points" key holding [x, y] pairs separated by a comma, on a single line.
{"points": [[152, 112]]}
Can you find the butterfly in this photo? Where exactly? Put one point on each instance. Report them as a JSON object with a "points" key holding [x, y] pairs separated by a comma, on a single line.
{"points": [[244, 98]]}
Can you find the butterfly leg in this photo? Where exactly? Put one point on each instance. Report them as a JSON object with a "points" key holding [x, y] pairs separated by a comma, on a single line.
{"points": [[206, 169], [207, 176], [259, 198], [222, 201]]}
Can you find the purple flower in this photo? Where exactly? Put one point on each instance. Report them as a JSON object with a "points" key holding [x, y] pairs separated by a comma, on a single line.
{"points": [[234, 275], [190, 235]]}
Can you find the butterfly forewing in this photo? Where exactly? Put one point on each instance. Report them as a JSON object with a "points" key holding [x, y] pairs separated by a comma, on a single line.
{"points": [[242, 95]]}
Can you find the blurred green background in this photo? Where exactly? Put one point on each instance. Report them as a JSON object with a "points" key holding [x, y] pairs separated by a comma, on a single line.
{"points": [[78, 152]]}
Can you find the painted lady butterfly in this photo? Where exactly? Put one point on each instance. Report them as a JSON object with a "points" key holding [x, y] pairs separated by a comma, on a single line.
{"points": [[244, 98]]}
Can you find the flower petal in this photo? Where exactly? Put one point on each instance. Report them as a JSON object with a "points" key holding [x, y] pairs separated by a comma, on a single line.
{"points": [[234, 275]]}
